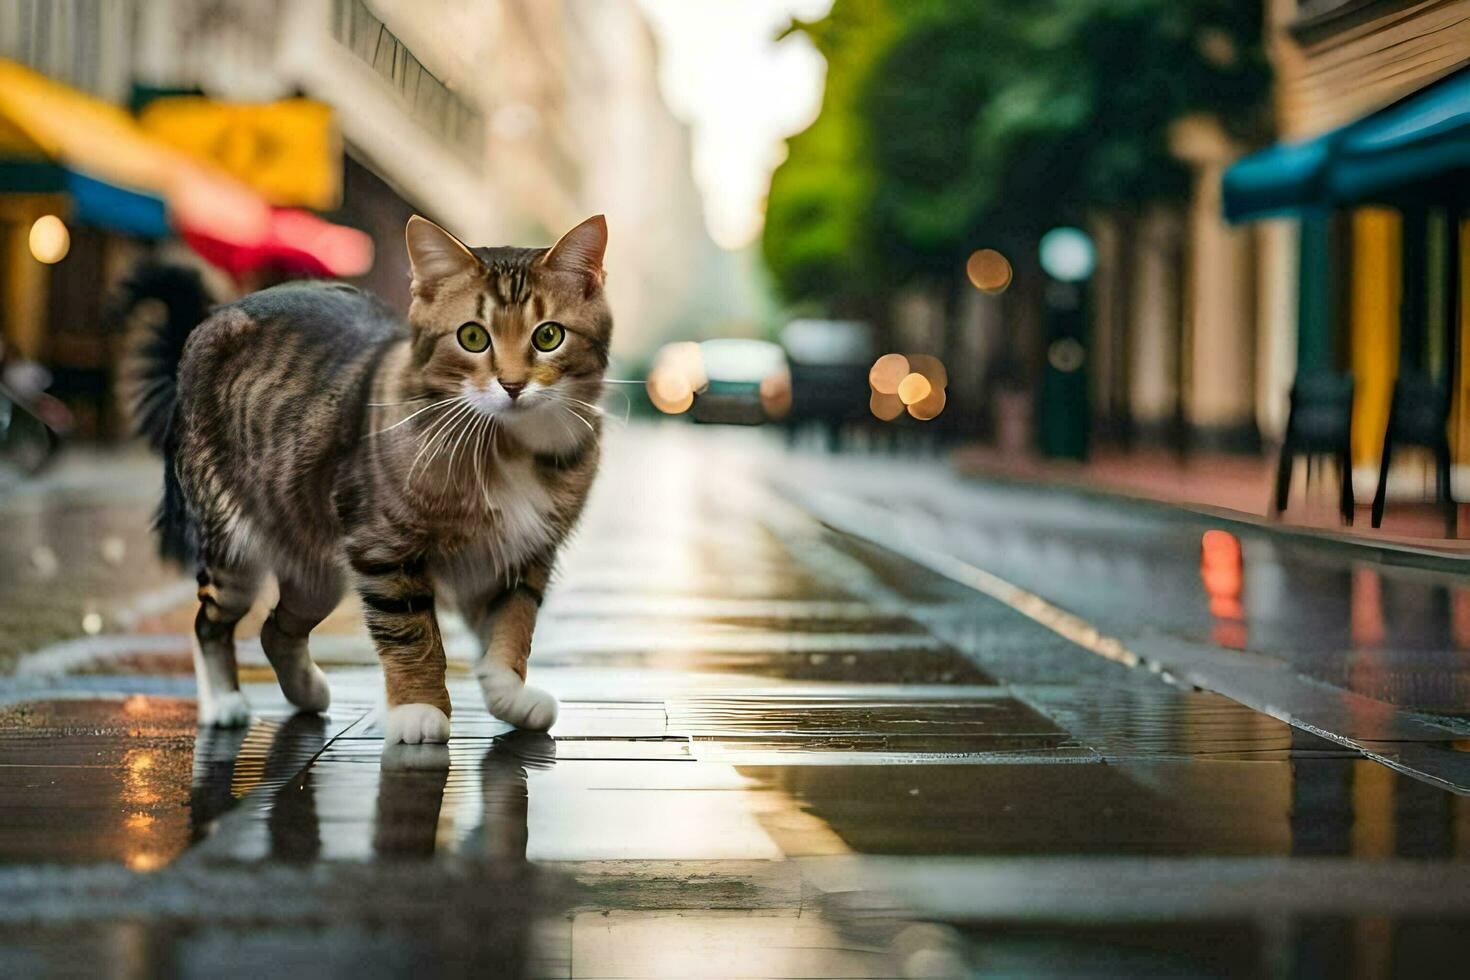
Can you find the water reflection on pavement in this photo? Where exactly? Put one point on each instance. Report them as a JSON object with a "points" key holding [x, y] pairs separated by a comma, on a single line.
{"points": [[768, 764]]}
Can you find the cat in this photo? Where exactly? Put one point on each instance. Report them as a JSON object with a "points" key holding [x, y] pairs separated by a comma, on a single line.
{"points": [[308, 432]]}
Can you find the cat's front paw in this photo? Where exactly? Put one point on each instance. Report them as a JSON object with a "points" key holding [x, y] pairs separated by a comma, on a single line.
{"points": [[413, 724], [513, 701], [226, 710]]}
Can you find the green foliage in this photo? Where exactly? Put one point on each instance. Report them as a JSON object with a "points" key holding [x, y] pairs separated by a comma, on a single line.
{"points": [[950, 125], [816, 241]]}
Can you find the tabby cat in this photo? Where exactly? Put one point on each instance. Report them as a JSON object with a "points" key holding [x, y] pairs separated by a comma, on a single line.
{"points": [[309, 433]]}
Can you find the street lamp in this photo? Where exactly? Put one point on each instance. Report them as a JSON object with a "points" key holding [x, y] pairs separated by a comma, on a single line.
{"points": [[1069, 259]]}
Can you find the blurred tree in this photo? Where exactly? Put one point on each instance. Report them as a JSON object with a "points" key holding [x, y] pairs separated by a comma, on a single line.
{"points": [[816, 239], [950, 125]]}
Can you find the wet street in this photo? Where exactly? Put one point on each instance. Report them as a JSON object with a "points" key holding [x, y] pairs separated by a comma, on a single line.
{"points": [[821, 717]]}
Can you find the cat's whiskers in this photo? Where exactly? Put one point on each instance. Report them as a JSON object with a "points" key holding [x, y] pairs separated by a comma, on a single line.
{"points": [[438, 404], [594, 408], [448, 435], [494, 443], [565, 403], [480, 425], [406, 401], [430, 436], [580, 418], [466, 428]]}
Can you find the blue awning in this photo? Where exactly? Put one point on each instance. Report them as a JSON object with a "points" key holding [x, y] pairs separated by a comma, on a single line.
{"points": [[1379, 157], [102, 205]]}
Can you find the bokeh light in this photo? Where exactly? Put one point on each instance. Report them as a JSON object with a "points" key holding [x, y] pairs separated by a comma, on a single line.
{"points": [[929, 406], [670, 393], [1066, 355], [914, 388], [1067, 254], [886, 372], [931, 367], [885, 406], [50, 241], [989, 271], [913, 382], [677, 374], [775, 392]]}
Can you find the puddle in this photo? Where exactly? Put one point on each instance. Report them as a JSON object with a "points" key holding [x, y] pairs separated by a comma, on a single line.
{"points": [[92, 780]]}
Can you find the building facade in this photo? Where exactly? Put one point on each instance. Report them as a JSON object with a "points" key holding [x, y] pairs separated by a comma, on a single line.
{"points": [[507, 121]]}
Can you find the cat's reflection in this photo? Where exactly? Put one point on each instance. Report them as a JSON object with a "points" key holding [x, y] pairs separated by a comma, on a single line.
{"points": [[411, 796], [295, 833], [291, 817], [210, 795], [503, 788], [412, 782]]}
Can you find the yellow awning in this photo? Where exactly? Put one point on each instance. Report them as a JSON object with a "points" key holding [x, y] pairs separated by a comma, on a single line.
{"points": [[288, 151], [99, 139]]}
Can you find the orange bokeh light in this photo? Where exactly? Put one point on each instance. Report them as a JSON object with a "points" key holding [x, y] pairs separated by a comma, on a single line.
{"points": [[914, 388], [886, 372], [989, 271], [931, 367], [928, 407], [884, 406]]}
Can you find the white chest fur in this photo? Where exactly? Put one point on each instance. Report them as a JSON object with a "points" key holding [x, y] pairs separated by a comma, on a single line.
{"points": [[520, 511]]}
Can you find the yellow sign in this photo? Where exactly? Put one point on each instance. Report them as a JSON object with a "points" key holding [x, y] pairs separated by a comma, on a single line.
{"points": [[288, 150]]}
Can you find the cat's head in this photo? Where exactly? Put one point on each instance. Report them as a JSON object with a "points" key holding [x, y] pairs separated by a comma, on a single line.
{"points": [[521, 334]]}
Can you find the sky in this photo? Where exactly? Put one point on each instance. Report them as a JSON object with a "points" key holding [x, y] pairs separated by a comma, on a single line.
{"points": [[741, 92]]}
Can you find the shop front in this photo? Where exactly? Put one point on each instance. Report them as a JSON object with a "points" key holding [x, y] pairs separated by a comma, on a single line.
{"points": [[1383, 258]]}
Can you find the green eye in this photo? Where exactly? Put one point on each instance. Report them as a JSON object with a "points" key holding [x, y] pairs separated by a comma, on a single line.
{"points": [[473, 337], [548, 337]]}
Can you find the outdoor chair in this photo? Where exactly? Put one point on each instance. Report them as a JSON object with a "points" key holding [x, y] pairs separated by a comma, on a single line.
{"points": [[1320, 422], [1418, 416]]}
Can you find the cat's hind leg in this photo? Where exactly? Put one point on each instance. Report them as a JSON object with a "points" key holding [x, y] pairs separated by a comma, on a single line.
{"points": [[226, 591], [305, 601]]}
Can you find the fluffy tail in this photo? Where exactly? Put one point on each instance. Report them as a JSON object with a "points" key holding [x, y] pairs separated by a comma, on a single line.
{"points": [[159, 306]]}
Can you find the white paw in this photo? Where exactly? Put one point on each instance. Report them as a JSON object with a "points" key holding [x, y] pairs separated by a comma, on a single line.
{"points": [[514, 701], [307, 688], [412, 724], [227, 710]]}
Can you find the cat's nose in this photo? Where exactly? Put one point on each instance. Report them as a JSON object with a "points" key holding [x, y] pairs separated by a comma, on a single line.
{"points": [[513, 388]]}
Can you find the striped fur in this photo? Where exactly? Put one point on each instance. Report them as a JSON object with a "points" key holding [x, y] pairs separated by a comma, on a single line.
{"points": [[318, 438]]}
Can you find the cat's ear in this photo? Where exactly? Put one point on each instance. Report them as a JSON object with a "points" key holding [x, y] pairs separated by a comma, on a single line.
{"points": [[580, 250], [434, 253]]}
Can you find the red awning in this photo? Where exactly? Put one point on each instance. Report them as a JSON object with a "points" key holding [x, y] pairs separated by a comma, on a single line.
{"points": [[295, 242]]}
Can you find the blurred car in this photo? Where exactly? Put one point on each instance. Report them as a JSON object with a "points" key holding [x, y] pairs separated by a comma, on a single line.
{"points": [[749, 382], [829, 361]]}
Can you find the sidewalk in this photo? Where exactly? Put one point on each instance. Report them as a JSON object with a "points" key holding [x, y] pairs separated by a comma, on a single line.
{"points": [[1239, 484]]}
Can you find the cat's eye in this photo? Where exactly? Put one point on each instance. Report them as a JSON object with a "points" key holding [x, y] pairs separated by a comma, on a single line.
{"points": [[548, 336], [473, 337]]}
